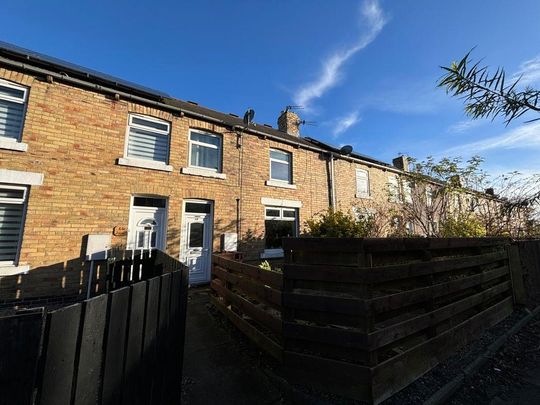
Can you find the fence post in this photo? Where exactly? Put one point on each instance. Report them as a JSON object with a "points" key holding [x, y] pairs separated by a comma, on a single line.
{"points": [[516, 274]]}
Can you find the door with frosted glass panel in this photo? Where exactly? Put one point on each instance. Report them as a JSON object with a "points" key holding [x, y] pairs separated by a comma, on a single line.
{"points": [[197, 240]]}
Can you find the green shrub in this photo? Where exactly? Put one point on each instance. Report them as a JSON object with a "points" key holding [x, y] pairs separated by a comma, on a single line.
{"points": [[333, 223], [462, 227]]}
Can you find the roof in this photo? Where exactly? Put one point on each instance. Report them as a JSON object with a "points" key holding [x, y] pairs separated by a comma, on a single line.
{"points": [[72, 70], [353, 154]]}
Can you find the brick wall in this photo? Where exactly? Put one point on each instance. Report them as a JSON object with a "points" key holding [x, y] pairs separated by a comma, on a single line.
{"points": [[75, 137]]}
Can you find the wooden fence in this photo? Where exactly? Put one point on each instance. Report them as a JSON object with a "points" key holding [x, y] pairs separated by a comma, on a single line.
{"points": [[121, 347], [251, 298], [366, 317]]}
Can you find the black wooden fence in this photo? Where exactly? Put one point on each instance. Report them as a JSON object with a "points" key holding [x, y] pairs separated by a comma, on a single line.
{"points": [[122, 347]]}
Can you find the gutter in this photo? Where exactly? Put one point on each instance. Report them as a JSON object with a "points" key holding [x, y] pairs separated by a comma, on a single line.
{"points": [[160, 105]]}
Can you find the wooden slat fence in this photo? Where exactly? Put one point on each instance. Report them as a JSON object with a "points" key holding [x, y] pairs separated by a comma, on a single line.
{"points": [[123, 347], [250, 297], [366, 317], [379, 313]]}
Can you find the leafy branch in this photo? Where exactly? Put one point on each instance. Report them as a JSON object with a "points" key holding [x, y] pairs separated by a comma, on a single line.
{"points": [[488, 95]]}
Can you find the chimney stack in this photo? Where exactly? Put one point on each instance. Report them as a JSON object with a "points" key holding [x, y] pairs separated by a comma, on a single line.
{"points": [[289, 122], [401, 162], [490, 191]]}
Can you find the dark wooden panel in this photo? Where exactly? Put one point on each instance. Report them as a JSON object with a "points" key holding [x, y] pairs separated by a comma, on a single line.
{"points": [[325, 303], [392, 375], [149, 360], [271, 278], [265, 318], [118, 310], [61, 346], [250, 286], [259, 338], [401, 300], [173, 365], [18, 362], [133, 382], [350, 338], [163, 339], [408, 327], [386, 273], [91, 351]]}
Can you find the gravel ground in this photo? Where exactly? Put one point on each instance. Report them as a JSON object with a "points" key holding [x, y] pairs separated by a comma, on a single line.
{"points": [[512, 376], [427, 385]]}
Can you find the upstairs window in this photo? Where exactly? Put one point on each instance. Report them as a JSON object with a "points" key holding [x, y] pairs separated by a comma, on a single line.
{"points": [[407, 192], [279, 223], [280, 166], [205, 151], [362, 183], [12, 201], [393, 189], [12, 110], [148, 138]]}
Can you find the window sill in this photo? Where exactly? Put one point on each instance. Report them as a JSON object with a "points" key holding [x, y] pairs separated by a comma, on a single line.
{"points": [[363, 196], [272, 254], [194, 171], [281, 184], [13, 145], [11, 270], [143, 164]]}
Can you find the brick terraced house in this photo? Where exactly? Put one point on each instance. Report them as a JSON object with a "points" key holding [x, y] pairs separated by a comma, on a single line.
{"points": [[83, 153]]}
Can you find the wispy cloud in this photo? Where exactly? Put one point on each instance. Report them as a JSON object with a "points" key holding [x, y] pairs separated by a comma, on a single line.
{"points": [[524, 136], [464, 126], [529, 71], [330, 74], [344, 123]]}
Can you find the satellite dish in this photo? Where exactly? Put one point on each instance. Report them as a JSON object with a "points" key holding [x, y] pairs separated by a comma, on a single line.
{"points": [[248, 116], [346, 150]]}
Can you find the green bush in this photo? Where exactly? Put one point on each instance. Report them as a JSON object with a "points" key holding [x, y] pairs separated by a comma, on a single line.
{"points": [[462, 227], [333, 223]]}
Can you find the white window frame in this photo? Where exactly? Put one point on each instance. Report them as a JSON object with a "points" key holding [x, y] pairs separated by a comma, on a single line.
{"points": [[429, 196], [15, 201], [394, 187], [206, 145], [362, 194], [11, 143], [146, 163], [407, 188], [288, 163], [278, 252]]}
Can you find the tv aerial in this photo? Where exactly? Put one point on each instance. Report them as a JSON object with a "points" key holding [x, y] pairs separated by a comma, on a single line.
{"points": [[293, 107], [310, 123]]}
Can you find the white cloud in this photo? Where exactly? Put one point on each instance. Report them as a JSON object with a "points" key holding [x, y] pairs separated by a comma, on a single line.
{"points": [[524, 136], [330, 74], [529, 71], [344, 123], [464, 126]]}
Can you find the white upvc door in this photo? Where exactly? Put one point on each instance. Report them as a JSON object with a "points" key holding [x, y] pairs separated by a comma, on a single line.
{"points": [[196, 240], [147, 227]]}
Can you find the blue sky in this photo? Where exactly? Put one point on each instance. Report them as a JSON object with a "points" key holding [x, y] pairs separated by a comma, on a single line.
{"points": [[364, 70]]}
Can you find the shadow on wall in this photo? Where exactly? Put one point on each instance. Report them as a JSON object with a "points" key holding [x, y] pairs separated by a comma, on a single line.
{"points": [[51, 285]]}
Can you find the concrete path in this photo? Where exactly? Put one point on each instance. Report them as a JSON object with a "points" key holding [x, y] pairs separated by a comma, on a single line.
{"points": [[216, 368]]}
